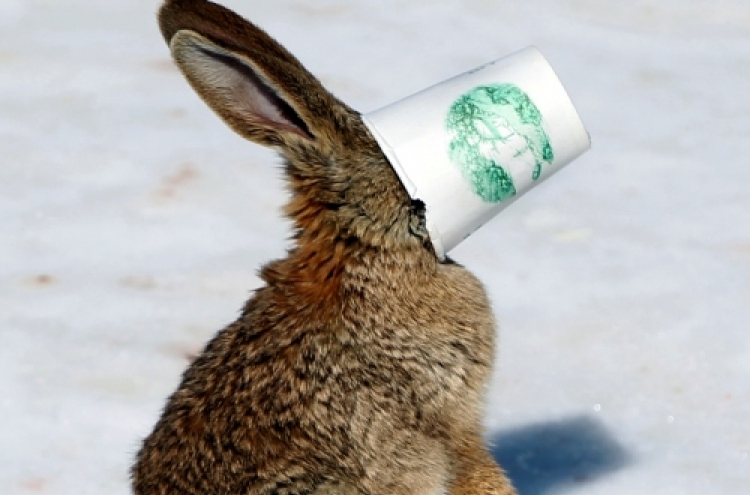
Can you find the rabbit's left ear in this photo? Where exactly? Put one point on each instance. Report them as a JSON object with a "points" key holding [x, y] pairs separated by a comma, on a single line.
{"points": [[258, 88]]}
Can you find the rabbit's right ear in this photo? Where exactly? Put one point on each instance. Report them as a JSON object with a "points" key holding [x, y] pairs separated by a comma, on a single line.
{"points": [[258, 88]]}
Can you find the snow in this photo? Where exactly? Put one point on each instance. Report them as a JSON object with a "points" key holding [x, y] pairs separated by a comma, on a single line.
{"points": [[133, 223]]}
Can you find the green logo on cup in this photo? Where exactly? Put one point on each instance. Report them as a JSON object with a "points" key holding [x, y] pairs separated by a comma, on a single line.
{"points": [[496, 130]]}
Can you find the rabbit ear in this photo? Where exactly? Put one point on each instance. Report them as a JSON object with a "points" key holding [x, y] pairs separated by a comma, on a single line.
{"points": [[258, 88]]}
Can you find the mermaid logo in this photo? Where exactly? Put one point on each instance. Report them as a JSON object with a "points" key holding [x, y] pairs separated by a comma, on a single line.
{"points": [[497, 136]]}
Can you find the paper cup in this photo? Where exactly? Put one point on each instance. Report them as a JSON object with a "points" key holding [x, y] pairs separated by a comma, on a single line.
{"points": [[470, 146]]}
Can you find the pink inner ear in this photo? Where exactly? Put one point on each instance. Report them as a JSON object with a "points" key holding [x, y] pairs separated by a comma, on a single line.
{"points": [[260, 100], [237, 89]]}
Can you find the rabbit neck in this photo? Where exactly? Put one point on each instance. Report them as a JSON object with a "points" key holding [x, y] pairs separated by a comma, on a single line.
{"points": [[324, 262]]}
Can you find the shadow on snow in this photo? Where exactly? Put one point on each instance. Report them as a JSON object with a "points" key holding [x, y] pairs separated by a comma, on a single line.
{"points": [[546, 456]]}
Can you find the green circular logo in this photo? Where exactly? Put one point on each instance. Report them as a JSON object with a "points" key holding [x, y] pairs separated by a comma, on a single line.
{"points": [[495, 131]]}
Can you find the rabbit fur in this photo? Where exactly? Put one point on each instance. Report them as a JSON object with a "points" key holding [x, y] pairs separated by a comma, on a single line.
{"points": [[360, 366]]}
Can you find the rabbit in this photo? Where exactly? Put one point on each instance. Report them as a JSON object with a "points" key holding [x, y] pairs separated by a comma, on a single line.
{"points": [[361, 366]]}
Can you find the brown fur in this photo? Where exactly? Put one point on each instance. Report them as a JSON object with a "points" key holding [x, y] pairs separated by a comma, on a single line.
{"points": [[361, 366]]}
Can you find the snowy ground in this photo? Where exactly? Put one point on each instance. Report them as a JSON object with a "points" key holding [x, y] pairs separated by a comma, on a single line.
{"points": [[133, 222]]}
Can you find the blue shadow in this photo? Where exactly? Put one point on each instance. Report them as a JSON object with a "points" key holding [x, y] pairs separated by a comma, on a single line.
{"points": [[546, 456]]}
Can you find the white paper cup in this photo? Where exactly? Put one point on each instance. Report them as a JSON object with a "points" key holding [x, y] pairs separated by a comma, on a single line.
{"points": [[470, 146]]}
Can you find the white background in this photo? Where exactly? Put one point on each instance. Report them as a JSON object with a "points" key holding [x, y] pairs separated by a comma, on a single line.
{"points": [[132, 224]]}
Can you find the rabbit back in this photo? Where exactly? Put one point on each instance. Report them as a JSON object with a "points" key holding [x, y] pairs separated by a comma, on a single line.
{"points": [[291, 400]]}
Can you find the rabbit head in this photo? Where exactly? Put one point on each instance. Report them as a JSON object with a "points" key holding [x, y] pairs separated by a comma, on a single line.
{"points": [[342, 184]]}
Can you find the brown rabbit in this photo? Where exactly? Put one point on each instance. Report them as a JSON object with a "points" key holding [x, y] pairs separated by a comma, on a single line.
{"points": [[361, 366]]}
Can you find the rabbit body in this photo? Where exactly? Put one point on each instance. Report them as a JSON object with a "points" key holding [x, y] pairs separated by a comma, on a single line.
{"points": [[361, 366], [374, 395]]}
